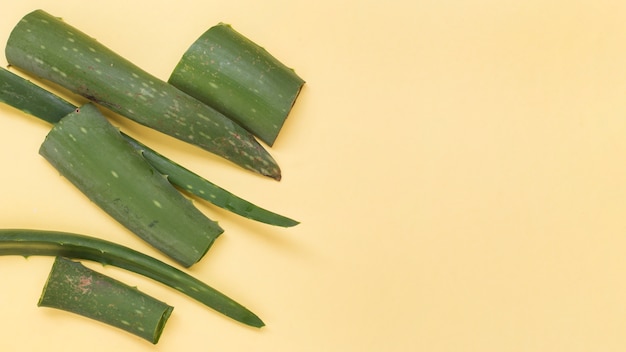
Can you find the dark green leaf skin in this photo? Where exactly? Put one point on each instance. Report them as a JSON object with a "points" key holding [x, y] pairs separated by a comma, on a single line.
{"points": [[53, 50], [201, 188], [75, 288], [92, 154], [34, 100], [27, 243], [239, 78]]}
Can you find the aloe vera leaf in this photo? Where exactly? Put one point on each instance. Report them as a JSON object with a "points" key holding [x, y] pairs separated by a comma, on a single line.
{"points": [[200, 187], [74, 288], [91, 153], [49, 48], [231, 73], [28, 242], [34, 100]]}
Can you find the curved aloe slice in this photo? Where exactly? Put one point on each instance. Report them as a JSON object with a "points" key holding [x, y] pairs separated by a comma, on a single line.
{"points": [[34, 100], [75, 288], [239, 78], [47, 47], [93, 155], [52, 243]]}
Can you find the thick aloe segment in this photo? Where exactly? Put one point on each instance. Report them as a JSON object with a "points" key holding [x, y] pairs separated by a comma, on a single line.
{"points": [[94, 156], [49, 48], [231, 73], [75, 288], [29, 242], [34, 100]]}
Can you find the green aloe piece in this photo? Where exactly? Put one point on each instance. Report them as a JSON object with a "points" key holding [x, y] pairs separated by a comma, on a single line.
{"points": [[200, 187], [34, 100], [49, 48], [239, 78], [75, 288], [27, 242], [94, 156]]}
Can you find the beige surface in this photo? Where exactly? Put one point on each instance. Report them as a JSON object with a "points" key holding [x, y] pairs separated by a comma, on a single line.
{"points": [[458, 168]]}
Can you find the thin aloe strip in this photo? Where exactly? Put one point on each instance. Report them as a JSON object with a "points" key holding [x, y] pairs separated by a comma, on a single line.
{"points": [[233, 74], [34, 100], [49, 48], [26, 242], [200, 187], [87, 150], [74, 288]]}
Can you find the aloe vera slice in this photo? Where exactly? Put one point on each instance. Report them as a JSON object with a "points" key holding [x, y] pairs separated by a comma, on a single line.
{"points": [[49, 48], [94, 156], [231, 73], [27, 242], [34, 100], [74, 288]]}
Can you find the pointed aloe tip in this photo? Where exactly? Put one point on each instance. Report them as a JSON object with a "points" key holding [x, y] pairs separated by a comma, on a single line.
{"points": [[290, 222], [256, 322]]}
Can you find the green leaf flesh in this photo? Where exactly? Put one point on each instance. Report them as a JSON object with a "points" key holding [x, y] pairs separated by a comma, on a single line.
{"points": [[27, 242], [51, 49]]}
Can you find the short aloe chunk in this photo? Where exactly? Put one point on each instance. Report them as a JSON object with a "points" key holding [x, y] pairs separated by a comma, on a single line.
{"points": [[49, 48], [34, 100], [231, 73], [26, 242], [94, 156], [75, 288]]}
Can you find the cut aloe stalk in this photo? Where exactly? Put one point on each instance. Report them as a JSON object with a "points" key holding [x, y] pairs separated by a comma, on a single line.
{"points": [[27, 243], [94, 156], [239, 78], [34, 100], [77, 289], [49, 48]]}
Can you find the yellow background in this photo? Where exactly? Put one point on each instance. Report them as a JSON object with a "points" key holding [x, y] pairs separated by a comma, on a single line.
{"points": [[457, 166]]}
